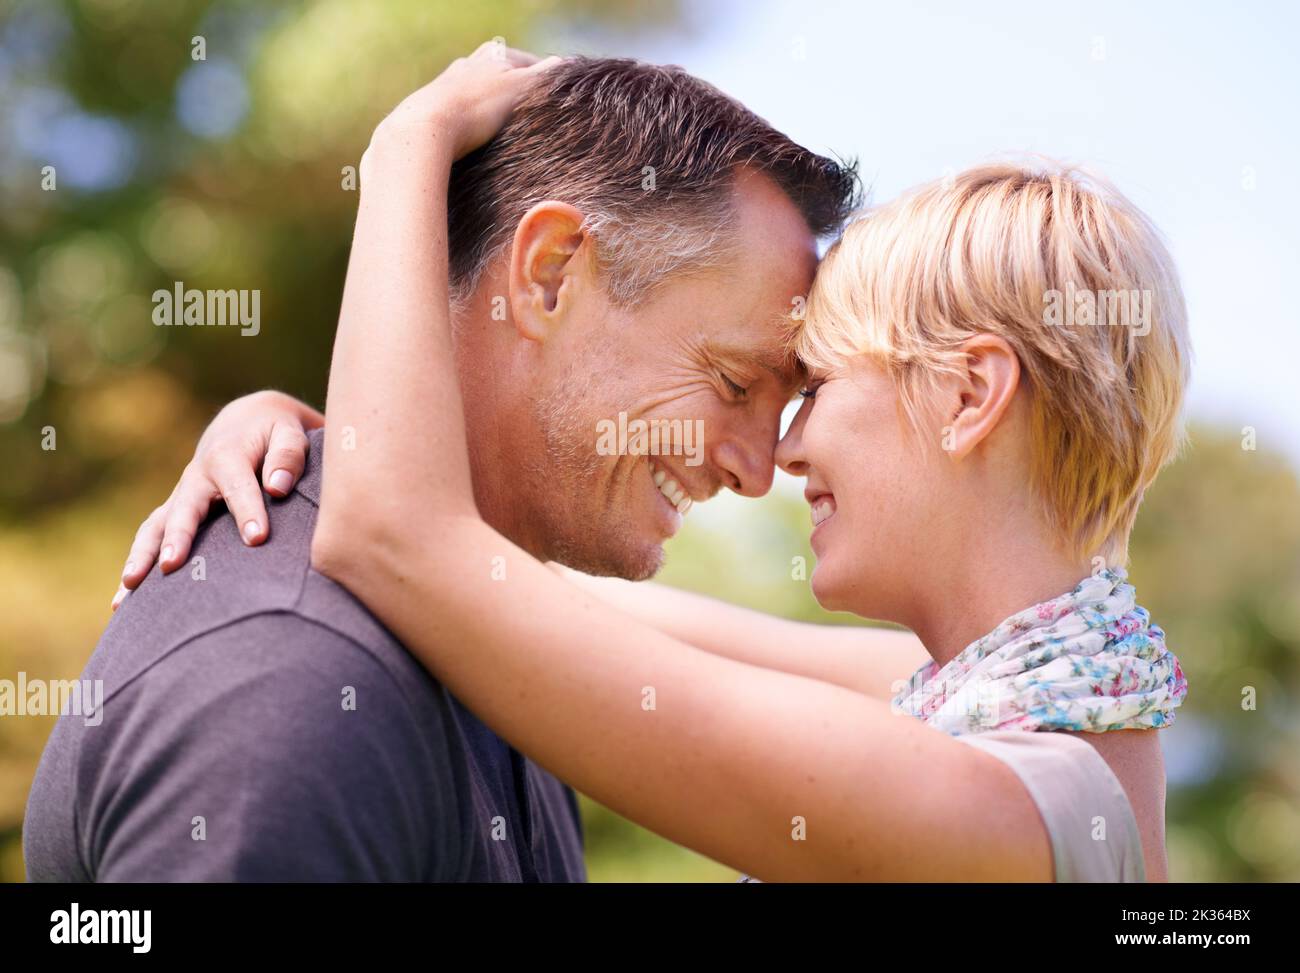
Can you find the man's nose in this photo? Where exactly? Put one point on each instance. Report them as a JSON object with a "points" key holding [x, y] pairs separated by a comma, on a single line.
{"points": [[746, 458], [789, 451]]}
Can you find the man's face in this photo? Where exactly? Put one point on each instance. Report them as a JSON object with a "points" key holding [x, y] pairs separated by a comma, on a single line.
{"points": [[705, 353]]}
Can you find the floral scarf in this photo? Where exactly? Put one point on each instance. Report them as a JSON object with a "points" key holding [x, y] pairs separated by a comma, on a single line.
{"points": [[1088, 660]]}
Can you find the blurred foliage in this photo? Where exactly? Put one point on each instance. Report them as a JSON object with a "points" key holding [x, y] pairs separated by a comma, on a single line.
{"points": [[228, 172]]}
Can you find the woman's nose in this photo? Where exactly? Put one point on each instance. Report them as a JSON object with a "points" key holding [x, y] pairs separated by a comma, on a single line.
{"points": [[789, 451]]}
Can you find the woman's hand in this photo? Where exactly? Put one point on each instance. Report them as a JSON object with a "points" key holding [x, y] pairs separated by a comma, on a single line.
{"points": [[267, 429], [469, 102]]}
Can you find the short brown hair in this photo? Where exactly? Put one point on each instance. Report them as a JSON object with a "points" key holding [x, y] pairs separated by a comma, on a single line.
{"points": [[585, 136]]}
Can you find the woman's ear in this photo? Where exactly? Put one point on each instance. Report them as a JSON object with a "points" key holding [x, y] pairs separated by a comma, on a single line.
{"points": [[984, 390], [543, 268]]}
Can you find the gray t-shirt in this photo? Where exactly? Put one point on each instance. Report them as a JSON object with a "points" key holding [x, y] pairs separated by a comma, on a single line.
{"points": [[259, 724]]}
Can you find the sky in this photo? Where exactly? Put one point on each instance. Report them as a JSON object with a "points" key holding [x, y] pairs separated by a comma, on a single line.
{"points": [[1190, 108]]}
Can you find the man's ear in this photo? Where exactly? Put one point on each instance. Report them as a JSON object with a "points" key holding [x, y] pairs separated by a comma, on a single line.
{"points": [[542, 268], [984, 391]]}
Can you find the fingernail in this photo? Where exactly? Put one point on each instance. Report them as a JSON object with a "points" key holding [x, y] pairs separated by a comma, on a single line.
{"points": [[130, 566], [117, 598], [251, 530], [167, 553], [281, 481]]}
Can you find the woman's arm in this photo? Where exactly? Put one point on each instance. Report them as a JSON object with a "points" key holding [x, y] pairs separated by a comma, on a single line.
{"points": [[780, 775], [264, 434], [867, 660]]}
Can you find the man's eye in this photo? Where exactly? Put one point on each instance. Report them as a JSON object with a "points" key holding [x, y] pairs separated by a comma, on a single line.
{"points": [[734, 388]]}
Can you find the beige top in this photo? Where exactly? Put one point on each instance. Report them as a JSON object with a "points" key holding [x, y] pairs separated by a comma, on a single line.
{"points": [[1089, 820], [1090, 823]]}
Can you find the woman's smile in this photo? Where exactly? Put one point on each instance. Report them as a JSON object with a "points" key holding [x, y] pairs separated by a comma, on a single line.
{"points": [[822, 509]]}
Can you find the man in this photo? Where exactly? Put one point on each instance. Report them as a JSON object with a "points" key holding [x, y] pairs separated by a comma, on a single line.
{"points": [[259, 724]]}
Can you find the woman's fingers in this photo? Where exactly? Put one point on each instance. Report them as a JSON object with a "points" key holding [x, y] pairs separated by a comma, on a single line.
{"points": [[523, 59], [266, 431], [470, 100], [144, 551], [186, 509], [235, 478], [286, 455], [498, 49]]}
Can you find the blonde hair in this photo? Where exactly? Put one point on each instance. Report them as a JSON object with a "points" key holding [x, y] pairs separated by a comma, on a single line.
{"points": [[1015, 251]]}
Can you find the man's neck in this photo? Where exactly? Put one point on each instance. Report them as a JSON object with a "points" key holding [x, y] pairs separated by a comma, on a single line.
{"points": [[492, 424]]}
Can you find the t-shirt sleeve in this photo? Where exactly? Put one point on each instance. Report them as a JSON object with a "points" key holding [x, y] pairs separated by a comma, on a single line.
{"points": [[271, 749], [1090, 823]]}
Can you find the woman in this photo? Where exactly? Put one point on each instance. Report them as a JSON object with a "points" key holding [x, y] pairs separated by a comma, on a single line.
{"points": [[1009, 452]]}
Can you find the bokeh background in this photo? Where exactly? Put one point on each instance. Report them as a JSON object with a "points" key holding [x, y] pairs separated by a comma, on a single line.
{"points": [[228, 172]]}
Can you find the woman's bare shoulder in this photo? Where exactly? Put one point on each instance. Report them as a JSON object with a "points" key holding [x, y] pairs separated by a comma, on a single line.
{"points": [[1135, 758]]}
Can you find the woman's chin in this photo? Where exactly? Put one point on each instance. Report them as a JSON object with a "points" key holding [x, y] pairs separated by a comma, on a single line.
{"points": [[824, 589], [840, 587]]}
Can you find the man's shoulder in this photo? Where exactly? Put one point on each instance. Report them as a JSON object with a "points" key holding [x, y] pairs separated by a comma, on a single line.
{"points": [[222, 580], [290, 676], [342, 769], [260, 623], [226, 582], [251, 691]]}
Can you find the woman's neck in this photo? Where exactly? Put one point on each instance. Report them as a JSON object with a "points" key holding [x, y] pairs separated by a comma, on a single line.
{"points": [[986, 587]]}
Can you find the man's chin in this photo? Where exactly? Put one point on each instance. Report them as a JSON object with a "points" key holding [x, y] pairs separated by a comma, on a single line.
{"points": [[621, 558]]}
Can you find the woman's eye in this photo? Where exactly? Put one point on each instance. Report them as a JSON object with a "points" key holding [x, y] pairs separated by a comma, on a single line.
{"points": [[809, 392]]}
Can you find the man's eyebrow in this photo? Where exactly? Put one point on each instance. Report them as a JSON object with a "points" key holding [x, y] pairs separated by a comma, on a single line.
{"points": [[780, 364]]}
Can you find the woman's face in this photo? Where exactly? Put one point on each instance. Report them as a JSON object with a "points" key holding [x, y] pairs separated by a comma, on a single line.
{"points": [[877, 492]]}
